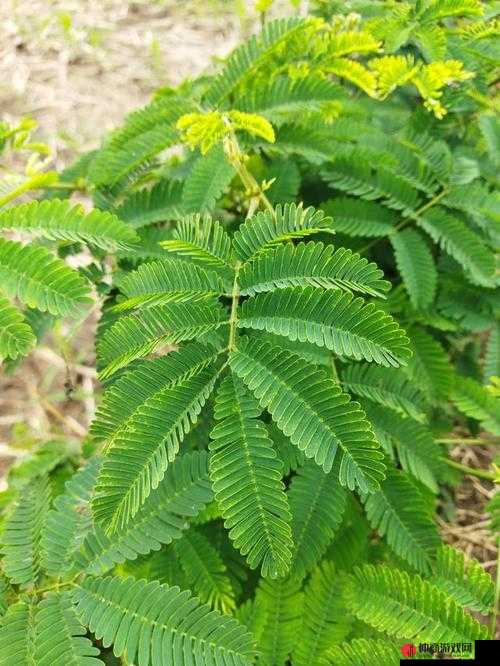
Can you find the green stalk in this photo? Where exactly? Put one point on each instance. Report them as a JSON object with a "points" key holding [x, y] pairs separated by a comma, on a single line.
{"points": [[477, 441], [335, 374], [237, 159], [472, 471], [233, 319], [34, 183], [409, 218]]}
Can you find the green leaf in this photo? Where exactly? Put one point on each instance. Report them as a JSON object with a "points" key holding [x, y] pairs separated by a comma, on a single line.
{"points": [[429, 366], [431, 41], [168, 280], [182, 493], [353, 172], [43, 459], [455, 238], [60, 637], [136, 462], [356, 217], [153, 624], [207, 180], [351, 543], [147, 379], [407, 607], [311, 264], [417, 451], [40, 280], [160, 203], [325, 621], [318, 503], [16, 336], [492, 354], [61, 220], [254, 616], [145, 133], [289, 454], [490, 129], [4, 594], [68, 521], [416, 265], [399, 513], [479, 203], [246, 476], [315, 143], [385, 386], [286, 178], [312, 411], [205, 571], [17, 635], [474, 400], [464, 579], [244, 60], [440, 9], [330, 319], [286, 223], [136, 336], [283, 601], [201, 240], [20, 538], [281, 97], [149, 247], [363, 652]]}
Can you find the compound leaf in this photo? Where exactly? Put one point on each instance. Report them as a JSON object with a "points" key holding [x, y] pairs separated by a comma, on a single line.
{"points": [[312, 411], [246, 476], [153, 624]]}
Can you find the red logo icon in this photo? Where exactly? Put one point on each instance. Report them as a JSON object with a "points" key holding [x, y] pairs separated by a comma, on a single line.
{"points": [[408, 650]]}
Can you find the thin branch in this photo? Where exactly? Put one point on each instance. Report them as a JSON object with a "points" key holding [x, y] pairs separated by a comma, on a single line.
{"points": [[237, 159], [477, 441], [480, 473], [233, 319], [408, 218], [68, 421]]}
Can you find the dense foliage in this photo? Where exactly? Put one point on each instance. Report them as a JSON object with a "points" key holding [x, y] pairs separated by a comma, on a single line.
{"points": [[295, 262]]}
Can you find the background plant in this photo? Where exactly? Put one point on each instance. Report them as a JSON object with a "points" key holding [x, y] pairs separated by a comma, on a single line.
{"points": [[247, 434]]}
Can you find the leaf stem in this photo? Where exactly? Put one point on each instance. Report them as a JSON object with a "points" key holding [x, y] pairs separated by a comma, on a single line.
{"points": [[37, 182], [335, 374], [408, 218], [62, 185], [233, 319], [472, 471], [478, 441], [237, 159], [56, 586], [69, 421]]}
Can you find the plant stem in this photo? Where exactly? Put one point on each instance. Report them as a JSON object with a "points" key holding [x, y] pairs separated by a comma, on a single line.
{"points": [[233, 319], [480, 473], [237, 159], [63, 186], [70, 422], [334, 369], [56, 586], [409, 218], [432, 202], [478, 441], [36, 182]]}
